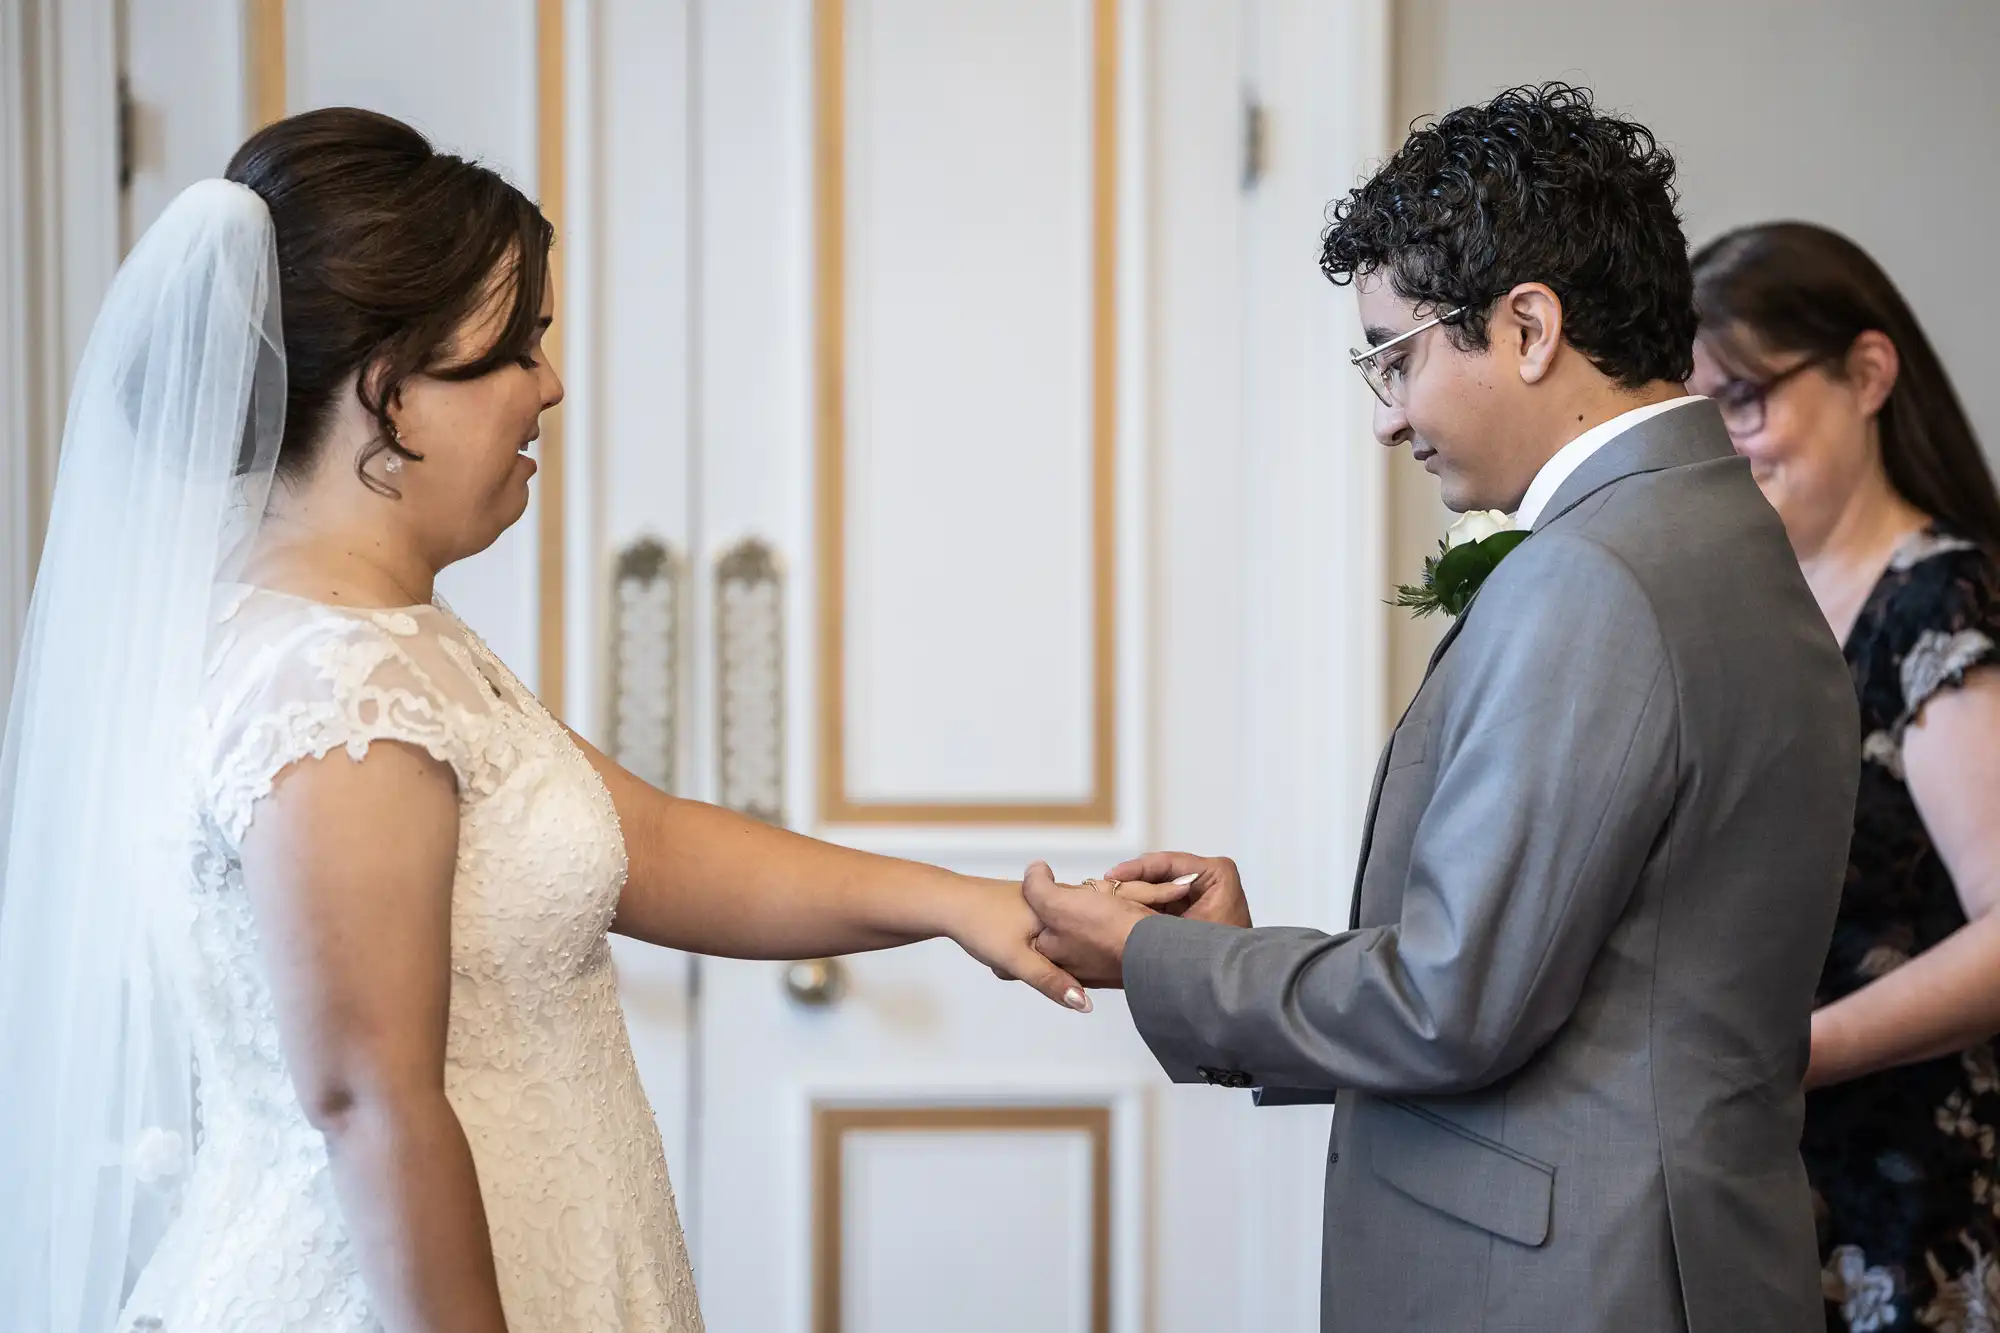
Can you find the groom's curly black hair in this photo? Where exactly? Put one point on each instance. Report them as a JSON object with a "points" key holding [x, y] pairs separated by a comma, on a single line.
{"points": [[1533, 186]]}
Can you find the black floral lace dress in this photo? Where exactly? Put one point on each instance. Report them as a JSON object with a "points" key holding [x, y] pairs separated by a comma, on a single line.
{"points": [[1905, 1182]]}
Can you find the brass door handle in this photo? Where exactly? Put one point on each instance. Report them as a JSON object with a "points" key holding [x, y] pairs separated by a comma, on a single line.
{"points": [[815, 983]]}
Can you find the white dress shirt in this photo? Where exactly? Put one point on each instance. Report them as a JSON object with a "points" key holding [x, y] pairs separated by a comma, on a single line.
{"points": [[1573, 455]]}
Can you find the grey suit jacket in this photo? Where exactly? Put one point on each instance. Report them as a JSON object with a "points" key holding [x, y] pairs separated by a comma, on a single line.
{"points": [[1597, 884]]}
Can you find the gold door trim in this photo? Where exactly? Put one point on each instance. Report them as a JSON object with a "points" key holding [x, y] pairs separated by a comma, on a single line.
{"points": [[264, 25], [830, 148], [264, 40], [550, 164], [831, 1124]]}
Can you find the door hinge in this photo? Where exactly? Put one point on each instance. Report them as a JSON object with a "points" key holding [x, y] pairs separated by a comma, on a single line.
{"points": [[128, 131], [1256, 141]]}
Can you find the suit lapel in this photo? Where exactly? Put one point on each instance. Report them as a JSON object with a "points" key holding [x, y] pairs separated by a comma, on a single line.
{"points": [[1368, 829], [1685, 435], [1382, 765], [1450, 634]]}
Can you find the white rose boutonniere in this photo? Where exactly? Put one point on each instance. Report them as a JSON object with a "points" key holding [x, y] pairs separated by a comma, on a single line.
{"points": [[1476, 526], [1473, 548]]}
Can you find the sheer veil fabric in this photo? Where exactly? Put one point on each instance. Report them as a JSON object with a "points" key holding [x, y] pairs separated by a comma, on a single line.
{"points": [[166, 464]]}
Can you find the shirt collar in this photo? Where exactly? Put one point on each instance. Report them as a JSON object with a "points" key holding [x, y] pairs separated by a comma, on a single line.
{"points": [[1578, 451]]}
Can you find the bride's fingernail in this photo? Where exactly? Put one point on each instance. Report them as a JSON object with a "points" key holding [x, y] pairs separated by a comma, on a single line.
{"points": [[1077, 1000]]}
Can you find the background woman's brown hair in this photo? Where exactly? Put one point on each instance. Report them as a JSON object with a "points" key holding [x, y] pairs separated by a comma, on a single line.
{"points": [[1783, 288], [385, 247]]}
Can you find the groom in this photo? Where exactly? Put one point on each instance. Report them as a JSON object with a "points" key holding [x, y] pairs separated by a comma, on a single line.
{"points": [[1598, 875]]}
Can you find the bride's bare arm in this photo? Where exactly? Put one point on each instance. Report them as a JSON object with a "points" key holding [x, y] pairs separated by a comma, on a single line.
{"points": [[349, 871], [710, 881]]}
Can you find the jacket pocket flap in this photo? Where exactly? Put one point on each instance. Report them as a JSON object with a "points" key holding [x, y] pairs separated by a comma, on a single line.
{"points": [[1411, 744], [1455, 1171]]}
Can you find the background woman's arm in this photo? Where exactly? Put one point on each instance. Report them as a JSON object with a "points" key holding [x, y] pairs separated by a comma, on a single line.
{"points": [[1947, 997], [707, 880], [349, 869]]}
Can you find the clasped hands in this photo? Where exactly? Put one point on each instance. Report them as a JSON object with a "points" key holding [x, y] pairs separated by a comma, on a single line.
{"points": [[1077, 932]]}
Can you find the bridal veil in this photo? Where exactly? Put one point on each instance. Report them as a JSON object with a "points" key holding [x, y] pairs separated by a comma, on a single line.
{"points": [[167, 460]]}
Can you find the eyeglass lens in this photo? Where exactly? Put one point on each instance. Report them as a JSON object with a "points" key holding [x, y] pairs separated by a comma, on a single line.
{"points": [[1742, 408]]}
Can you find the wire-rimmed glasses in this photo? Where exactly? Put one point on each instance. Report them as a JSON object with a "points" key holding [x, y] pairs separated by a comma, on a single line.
{"points": [[1372, 371]]}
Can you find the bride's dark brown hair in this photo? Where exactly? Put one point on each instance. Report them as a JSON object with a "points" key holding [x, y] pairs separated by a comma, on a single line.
{"points": [[385, 247]]}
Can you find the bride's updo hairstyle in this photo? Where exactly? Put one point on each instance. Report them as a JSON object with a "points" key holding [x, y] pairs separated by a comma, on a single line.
{"points": [[385, 248]]}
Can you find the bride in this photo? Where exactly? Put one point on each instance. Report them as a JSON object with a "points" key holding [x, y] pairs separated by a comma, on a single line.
{"points": [[307, 1013]]}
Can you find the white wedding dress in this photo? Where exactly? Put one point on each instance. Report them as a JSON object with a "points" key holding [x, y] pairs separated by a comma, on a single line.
{"points": [[538, 1065]]}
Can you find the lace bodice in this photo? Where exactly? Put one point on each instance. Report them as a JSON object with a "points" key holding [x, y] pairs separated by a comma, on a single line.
{"points": [[538, 1065]]}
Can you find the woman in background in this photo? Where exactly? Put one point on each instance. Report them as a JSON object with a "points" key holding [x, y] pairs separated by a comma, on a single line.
{"points": [[1830, 388]]}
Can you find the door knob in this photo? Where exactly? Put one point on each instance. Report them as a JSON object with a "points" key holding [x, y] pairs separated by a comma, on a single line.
{"points": [[815, 983]]}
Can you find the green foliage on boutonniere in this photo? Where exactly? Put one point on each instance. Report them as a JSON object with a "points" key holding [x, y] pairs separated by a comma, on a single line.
{"points": [[1455, 573]]}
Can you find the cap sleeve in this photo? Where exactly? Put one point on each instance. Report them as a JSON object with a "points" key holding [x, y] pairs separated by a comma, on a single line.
{"points": [[1946, 623], [312, 679]]}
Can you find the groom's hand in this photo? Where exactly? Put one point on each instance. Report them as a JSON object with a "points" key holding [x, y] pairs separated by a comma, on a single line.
{"points": [[1214, 894], [1083, 929]]}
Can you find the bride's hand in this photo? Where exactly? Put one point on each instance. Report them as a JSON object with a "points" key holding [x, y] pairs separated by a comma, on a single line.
{"points": [[995, 925]]}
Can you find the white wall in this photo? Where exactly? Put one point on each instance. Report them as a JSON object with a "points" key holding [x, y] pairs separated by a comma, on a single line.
{"points": [[1876, 119], [58, 249]]}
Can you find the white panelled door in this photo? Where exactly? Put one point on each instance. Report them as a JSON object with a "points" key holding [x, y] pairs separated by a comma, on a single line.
{"points": [[959, 463], [923, 232], [982, 303]]}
